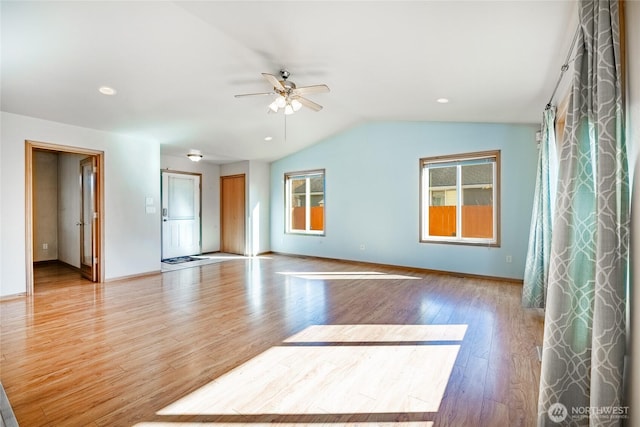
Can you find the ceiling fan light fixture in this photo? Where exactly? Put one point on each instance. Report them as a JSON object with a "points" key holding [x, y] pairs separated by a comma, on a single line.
{"points": [[288, 96], [288, 109], [296, 105]]}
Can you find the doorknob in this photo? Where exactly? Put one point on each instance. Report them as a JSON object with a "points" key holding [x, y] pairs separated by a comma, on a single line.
{"points": [[78, 223]]}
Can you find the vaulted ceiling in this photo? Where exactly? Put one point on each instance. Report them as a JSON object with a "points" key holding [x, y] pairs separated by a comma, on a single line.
{"points": [[176, 66]]}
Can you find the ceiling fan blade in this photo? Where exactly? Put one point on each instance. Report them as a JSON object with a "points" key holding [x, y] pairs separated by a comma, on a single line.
{"points": [[306, 90], [254, 94], [309, 103], [274, 81]]}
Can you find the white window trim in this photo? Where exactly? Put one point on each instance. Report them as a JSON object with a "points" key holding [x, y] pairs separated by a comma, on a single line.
{"points": [[458, 161], [288, 177]]}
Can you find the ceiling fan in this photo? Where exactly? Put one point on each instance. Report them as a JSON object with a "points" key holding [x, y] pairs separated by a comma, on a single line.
{"points": [[289, 97]]}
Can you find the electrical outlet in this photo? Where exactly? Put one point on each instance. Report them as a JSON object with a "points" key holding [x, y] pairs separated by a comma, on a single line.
{"points": [[509, 259], [45, 246], [362, 247]]}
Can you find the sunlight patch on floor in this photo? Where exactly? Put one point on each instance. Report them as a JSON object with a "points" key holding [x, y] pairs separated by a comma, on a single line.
{"points": [[379, 333], [279, 424], [350, 424], [345, 275], [394, 377]]}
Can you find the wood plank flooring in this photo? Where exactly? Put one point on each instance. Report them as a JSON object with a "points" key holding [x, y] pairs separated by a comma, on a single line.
{"points": [[275, 339]]}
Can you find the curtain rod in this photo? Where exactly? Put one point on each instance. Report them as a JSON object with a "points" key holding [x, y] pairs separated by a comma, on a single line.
{"points": [[564, 67]]}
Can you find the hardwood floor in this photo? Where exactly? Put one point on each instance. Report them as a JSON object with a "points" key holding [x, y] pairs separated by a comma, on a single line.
{"points": [[279, 339]]}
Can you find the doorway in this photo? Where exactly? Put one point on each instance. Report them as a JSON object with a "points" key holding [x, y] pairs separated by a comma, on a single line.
{"points": [[181, 224], [232, 217], [87, 184]]}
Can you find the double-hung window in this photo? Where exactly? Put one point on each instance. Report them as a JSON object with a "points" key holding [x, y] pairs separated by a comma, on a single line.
{"points": [[305, 202], [460, 199]]}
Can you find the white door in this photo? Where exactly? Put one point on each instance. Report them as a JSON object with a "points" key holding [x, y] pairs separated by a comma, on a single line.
{"points": [[180, 214]]}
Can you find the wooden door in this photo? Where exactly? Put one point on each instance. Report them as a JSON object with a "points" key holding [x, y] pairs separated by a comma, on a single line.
{"points": [[232, 217]]}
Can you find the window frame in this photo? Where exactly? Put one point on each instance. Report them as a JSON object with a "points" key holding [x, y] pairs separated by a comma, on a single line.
{"points": [[308, 174], [459, 160]]}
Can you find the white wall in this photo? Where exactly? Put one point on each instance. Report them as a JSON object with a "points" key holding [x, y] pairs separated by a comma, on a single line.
{"points": [[633, 140], [132, 237], [210, 196], [2, 196], [259, 211], [372, 195], [237, 168], [45, 206]]}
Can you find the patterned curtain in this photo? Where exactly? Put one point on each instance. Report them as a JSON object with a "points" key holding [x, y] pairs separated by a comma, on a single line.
{"points": [[536, 272], [584, 334]]}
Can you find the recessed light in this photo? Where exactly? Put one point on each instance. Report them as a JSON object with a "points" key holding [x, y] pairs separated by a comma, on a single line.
{"points": [[268, 138], [442, 101], [106, 90]]}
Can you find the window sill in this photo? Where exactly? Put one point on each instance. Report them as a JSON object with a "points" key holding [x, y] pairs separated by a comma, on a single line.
{"points": [[486, 244]]}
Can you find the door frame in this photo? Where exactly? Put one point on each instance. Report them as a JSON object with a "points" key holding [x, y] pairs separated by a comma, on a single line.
{"points": [[30, 147], [198, 174]]}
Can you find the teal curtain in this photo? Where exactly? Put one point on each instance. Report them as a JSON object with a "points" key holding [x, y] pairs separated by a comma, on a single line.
{"points": [[581, 379], [536, 272]]}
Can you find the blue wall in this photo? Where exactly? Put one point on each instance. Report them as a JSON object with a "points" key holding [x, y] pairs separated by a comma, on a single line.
{"points": [[372, 195]]}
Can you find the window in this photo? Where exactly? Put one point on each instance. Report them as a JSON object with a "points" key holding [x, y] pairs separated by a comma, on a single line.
{"points": [[305, 202], [459, 199]]}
